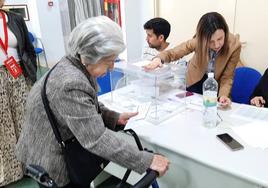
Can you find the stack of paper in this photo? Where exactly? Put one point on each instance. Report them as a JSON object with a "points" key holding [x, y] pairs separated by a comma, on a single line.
{"points": [[254, 134], [248, 112]]}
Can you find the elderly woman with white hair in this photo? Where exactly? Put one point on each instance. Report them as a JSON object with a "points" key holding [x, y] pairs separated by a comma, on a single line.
{"points": [[72, 94]]}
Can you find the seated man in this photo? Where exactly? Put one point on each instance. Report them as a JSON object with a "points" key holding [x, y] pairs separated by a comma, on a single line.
{"points": [[157, 30], [259, 97]]}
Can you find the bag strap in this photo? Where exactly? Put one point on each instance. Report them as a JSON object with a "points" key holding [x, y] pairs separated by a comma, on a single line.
{"points": [[50, 114]]}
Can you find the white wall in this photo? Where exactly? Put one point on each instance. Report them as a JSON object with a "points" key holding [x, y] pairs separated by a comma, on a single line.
{"points": [[135, 14], [33, 24], [184, 16], [51, 30], [251, 23]]}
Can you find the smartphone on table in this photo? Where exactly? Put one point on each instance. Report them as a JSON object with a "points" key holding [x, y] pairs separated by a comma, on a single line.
{"points": [[230, 142]]}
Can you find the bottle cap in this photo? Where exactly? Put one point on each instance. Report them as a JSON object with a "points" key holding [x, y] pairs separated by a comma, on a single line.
{"points": [[211, 74]]}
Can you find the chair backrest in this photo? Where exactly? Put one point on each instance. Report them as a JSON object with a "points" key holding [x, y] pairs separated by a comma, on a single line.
{"points": [[31, 37], [36, 42], [108, 82], [245, 81]]}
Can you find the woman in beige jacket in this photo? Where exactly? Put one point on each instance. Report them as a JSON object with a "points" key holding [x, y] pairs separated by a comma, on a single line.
{"points": [[216, 50]]}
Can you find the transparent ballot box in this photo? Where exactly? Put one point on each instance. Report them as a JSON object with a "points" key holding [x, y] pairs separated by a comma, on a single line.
{"points": [[157, 95]]}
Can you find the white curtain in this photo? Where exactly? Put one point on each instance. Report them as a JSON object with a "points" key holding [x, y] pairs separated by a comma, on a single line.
{"points": [[75, 11], [65, 20], [85, 9]]}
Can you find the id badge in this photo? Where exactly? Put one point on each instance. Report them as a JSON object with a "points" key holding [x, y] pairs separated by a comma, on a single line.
{"points": [[13, 67]]}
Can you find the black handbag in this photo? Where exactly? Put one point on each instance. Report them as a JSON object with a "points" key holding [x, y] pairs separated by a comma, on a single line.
{"points": [[82, 165]]}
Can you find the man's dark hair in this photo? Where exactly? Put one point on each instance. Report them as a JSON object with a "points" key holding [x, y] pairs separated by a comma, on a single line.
{"points": [[159, 26]]}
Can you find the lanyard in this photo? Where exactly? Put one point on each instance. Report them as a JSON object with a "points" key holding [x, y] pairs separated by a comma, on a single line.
{"points": [[3, 45], [212, 58]]}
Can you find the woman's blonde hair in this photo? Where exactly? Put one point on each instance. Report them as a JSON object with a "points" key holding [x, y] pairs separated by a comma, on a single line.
{"points": [[207, 25]]}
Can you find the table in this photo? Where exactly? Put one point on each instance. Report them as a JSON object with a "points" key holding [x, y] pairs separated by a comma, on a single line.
{"points": [[198, 158]]}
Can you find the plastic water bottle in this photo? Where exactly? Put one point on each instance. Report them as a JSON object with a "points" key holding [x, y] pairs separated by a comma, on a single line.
{"points": [[210, 90]]}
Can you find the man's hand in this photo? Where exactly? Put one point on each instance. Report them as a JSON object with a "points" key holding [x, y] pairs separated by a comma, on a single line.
{"points": [[155, 63], [257, 101], [124, 117]]}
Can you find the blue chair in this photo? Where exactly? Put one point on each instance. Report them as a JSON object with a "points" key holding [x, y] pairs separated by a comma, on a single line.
{"points": [[245, 81], [38, 51], [105, 84]]}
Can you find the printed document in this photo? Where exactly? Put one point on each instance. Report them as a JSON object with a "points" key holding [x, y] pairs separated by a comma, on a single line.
{"points": [[254, 133], [248, 112]]}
